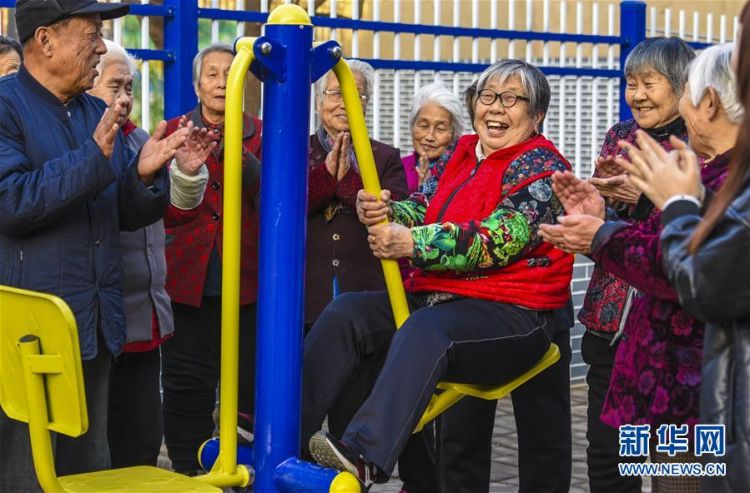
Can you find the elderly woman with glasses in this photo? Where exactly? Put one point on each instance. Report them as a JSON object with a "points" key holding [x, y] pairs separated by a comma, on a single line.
{"points": [[338, 257], [436, 122], [482, 301]]}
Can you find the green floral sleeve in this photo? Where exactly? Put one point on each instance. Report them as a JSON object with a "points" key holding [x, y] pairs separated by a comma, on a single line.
{"points": [[495, 242], [410, 212], [503, 237]]}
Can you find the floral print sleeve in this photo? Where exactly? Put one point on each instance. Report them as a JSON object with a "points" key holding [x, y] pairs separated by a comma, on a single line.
{"points": [[631, 252], [503, 237], [410, 212]]}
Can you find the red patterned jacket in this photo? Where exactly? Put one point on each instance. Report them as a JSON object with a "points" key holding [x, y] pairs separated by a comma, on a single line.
{"points": [[189, 245], [468, 191]]}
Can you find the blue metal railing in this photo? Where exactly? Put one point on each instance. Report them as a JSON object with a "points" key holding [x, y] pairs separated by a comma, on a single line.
{"points": [[181, 43]]}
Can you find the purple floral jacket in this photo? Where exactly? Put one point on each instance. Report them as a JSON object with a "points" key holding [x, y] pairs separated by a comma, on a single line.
{"points": [[605, 298], [656, 374]]}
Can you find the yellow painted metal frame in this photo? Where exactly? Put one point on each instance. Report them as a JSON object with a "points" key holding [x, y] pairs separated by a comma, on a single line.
{"points": [[226, 472], [370, 180], [41, 445]]}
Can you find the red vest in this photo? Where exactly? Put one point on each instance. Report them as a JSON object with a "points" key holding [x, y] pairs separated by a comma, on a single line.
{"points": [[541, 284]]}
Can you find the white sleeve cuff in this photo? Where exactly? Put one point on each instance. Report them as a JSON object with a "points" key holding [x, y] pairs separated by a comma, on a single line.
{"points": [[186, 192]]}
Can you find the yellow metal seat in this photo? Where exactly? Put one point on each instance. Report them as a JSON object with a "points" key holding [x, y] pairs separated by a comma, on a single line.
{"points": [[453, 392], [41, 383]]}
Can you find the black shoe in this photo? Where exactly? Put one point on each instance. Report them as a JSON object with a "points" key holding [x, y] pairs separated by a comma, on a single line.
{"points": [[330, 452]]}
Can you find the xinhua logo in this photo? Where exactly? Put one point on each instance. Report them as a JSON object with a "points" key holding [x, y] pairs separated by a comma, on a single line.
{"points": [[635, 441]]}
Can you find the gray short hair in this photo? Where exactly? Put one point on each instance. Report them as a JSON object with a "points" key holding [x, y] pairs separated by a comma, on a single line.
{"points": [[713, 68], [115, 53], [8, 44], [357, 67], [667, 56], [198, 60], [534, 83], [437, 93]]}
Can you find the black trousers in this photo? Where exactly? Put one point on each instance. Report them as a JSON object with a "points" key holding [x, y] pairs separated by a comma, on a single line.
{"points": [[465, 446], [466, 340], [416, 465], [543, 422], [190, 375], [602, 454], [135, 421]]}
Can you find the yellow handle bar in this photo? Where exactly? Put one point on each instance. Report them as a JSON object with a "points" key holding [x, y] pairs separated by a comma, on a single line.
{"points": [[366, 161]]}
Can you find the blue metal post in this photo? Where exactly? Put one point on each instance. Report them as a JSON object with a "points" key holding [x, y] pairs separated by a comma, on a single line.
{"points": [[287, 50], [181, 40], [632, 32]]}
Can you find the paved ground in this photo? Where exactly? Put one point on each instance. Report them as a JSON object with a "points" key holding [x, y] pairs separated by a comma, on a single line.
{"points": [[505, 450]]}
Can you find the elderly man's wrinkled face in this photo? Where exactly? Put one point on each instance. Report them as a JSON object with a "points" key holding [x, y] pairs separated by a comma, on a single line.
{"points": [[651, 99], [500, 127], [696, 120], [212, 84], [432, 131], [75, 48], [115, 80], [9, 63], [330, 104]]}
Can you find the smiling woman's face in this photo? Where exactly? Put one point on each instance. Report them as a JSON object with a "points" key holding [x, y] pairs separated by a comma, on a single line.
{"points": [[499, 127], [330, 105], [651, 99]]}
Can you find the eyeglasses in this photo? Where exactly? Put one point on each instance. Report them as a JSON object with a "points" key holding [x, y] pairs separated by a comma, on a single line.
{"points": [[335, 94], [508, 99]]}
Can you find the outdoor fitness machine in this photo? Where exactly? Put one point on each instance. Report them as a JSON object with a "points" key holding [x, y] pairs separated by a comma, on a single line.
{"points": [[287, 62]]}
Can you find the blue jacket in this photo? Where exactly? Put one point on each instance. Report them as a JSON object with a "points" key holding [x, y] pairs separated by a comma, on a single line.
{"points": [[62, 204]]}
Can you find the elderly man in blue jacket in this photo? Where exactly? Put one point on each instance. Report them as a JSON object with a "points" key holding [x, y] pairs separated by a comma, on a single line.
{"points": [[68, 184]]}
